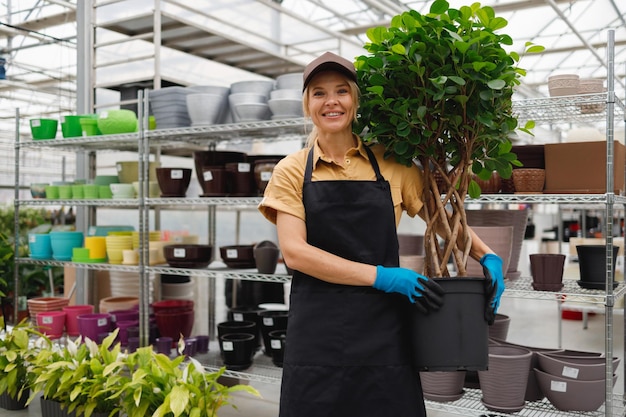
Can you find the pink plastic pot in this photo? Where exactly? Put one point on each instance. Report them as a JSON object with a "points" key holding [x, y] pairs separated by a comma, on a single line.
{"points": [[71, 317], [51, 323]]}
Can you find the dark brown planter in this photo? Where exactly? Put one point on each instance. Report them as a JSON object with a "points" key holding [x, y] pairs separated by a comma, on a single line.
{"points": [[213, 181], [547, 271], [239, 179], [173, 182]]}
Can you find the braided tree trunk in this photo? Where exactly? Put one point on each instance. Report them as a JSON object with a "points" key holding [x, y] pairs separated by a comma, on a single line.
{"points": [[444, 213]]}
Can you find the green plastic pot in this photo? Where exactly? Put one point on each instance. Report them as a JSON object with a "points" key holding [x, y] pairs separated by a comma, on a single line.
{"points": [[89, 126], [42, 129], [70, 125]]}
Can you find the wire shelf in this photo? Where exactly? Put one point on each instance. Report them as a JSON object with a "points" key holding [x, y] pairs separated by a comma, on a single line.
{"points": [[471, 401], [262, 370], [571, 291], [573, 109]]}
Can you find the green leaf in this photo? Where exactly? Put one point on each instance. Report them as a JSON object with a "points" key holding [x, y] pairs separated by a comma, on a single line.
{"points": [[498, 23], [496, 84], [439, 7], [179, 397], [457, 80], [398, 49], [474, 189]]}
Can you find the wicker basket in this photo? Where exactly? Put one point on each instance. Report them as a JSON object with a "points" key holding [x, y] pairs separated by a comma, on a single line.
{"points": [[529, 180]]}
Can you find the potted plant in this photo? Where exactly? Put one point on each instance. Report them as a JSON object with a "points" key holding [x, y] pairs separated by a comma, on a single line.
{"points": [[80, 377], [16, 356], [436, 90], [164, 386]]}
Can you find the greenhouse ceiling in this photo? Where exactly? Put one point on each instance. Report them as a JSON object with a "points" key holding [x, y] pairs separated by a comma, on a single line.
{"points": [[38, 40]]}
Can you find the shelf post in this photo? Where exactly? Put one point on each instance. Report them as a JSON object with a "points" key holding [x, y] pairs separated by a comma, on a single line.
{"points": [[608, 224], [16, 219]]}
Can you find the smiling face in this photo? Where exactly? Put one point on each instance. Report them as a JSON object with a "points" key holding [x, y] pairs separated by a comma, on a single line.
{"points": [[331, 102]]}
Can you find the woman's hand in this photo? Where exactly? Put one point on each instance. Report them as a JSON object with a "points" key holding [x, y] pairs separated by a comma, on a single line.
{"points": [[492, 268], [425, 293]]}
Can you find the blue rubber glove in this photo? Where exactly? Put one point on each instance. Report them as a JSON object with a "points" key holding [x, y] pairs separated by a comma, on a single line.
{"points": [[492, 268], [425, 293]]}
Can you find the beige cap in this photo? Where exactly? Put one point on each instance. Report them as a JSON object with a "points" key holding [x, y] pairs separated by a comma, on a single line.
{"points": [[328, 61]]}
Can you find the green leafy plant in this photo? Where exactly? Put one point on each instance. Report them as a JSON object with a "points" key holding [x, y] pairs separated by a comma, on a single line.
{"points": [[33, 279], [88, 378], [161, 386], [436, 90], [16, 356], [82, 375]]}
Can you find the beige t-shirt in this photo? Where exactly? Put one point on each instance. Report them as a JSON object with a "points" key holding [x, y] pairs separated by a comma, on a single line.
{"points": [[284, 190]]}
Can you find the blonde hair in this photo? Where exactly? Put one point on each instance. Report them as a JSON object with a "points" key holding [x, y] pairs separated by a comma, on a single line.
{"points": [[354, 92]]}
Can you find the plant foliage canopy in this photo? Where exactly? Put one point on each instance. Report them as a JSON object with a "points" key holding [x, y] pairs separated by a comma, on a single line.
{"points": [[436, 91]]}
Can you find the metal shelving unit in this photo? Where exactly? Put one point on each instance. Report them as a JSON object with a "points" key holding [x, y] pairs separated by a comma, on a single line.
{"points": [[549, 110]]}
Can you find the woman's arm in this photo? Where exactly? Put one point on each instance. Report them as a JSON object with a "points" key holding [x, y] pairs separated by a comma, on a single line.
{"points": [[301, 256]]}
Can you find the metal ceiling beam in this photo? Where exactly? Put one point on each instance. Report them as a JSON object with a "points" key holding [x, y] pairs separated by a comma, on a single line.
{"points": [[569, 24], [521, 5], [49, 21], [67, 4]]}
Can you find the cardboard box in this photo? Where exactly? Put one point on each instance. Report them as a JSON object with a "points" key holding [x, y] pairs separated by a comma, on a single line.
{"points": [[580, 167]]}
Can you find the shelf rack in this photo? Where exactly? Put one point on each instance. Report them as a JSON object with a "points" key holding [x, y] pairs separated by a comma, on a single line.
{"points": [[545, 110]]}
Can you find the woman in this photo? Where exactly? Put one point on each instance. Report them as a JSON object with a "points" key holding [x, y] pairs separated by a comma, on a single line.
{"points": [[336, 205]]}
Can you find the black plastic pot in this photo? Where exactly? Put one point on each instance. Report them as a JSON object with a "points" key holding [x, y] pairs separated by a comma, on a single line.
{"points": [[237, 350], [456, 337], [592, 266], [272, 320], [9, 403], [278, 339]]}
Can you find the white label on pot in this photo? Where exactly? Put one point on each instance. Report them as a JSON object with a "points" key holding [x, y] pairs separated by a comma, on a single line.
{"points": [[179, 253], [266, 175], [36, 123], [231, 253], [176, 174], [243, 167], [46, 320], [103, 322], [268, 321], [32, 238], [558, 386], [207, 175], [119, 167], [237, 317], [104, 114], [570, 372], [228, 346], [276, 344]]}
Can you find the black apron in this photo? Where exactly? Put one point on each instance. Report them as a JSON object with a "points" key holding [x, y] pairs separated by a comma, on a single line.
{"points": [[347, 350]]}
